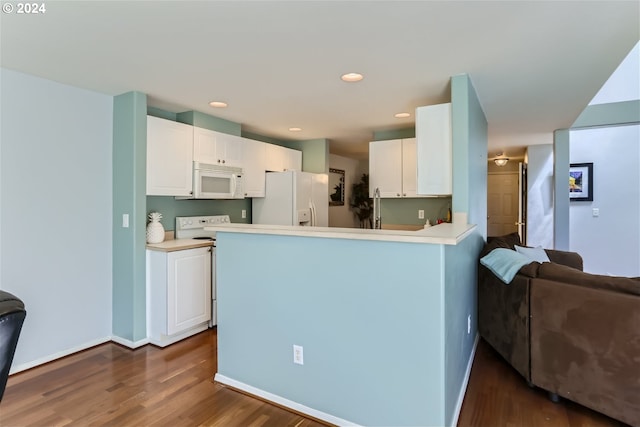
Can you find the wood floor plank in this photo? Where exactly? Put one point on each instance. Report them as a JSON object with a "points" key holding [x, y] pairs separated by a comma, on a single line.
{"points": [[111, 385]]}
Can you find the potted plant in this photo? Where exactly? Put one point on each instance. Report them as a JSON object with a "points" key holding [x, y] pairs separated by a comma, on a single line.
{"points": [[361, 204]]}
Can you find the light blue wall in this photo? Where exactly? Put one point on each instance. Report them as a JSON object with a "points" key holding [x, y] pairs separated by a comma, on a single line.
{"points": [[561, 190], [385, 135], [616, 113], [469, 133], [170, 208], [129, 188], [461, 263], [206, 121], [405, 210], [613, 114], [315, 155], [55, 193], [369, 316]]}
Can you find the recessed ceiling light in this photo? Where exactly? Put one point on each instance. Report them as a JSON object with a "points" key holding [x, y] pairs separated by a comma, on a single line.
{"points": [[218, 104], [295, 129], [401, 115], [352, 77]]}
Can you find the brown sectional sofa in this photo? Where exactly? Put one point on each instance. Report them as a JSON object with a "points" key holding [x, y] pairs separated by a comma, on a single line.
{"points": [[574, 334]]}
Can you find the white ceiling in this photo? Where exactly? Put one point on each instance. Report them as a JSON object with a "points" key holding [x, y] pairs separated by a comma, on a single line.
{"points": [[535, 64]]}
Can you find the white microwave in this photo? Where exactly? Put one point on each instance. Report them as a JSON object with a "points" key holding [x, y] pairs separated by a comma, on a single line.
{"points": [[217, 182]]}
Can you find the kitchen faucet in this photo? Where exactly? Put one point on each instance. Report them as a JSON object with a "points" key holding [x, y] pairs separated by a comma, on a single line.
{"points": [[377, 217]]}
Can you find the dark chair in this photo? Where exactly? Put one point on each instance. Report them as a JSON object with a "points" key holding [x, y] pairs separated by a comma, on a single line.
{"points": [[12, 314]]}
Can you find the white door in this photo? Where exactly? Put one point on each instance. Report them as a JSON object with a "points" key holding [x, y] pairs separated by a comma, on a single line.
{"points": [[188, 289], [502, 203], [522, 202], [320, 197], [302, 187]]}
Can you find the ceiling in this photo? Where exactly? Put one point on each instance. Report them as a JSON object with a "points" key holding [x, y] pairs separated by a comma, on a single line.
{"points": [[535, 64]]}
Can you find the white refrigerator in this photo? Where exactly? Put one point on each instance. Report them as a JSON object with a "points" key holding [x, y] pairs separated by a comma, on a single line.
{"points": [[293, 198]]}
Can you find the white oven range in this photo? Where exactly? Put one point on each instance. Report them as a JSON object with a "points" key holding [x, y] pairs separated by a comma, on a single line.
{"points": [[192, 227]]}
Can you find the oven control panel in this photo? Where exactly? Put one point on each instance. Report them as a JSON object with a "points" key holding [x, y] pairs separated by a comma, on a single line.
{"points": [[195, 222]]}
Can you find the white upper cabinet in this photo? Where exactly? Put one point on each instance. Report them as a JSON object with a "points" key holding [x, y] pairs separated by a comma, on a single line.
{"points": [[254, 167], [169, 158], [434, 150], [292, 160], [392, 168], [279, 159], [409, 172], [385, 168], [217, 148]]}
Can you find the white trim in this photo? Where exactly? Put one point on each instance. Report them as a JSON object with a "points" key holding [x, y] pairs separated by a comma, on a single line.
{"points": [[58, 355], [165, 340], [128, 343], [465, 383], [283, 402]]}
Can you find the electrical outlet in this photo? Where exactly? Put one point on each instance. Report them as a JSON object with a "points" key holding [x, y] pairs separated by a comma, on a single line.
{"points": [[468, 324], [420, 213], [298, 355], [244, 213], [125, 220], [595, 212]]}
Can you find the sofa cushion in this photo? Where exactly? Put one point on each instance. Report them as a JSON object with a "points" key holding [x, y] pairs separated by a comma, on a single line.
{"points": [[562, 273], [508, 241], [504, 263], [535, 254], [530, 270]]}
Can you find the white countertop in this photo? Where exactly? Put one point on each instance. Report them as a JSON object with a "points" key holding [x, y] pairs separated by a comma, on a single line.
{"points": [[442, 234], [178, 245]]}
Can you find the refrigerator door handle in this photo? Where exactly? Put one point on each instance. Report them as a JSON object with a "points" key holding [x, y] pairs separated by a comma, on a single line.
{"points": [[313, 213]]}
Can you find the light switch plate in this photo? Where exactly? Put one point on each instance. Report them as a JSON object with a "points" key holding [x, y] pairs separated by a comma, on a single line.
{"points": [[595, 212], [298, 355]]}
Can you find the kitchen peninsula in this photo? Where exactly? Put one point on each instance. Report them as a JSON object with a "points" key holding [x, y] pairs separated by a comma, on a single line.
{"points": [[382, 317]]}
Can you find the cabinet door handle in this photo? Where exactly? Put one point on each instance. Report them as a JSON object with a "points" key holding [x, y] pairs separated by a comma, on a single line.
{"points": [[404, 194], [398, 194], [223, 161]]}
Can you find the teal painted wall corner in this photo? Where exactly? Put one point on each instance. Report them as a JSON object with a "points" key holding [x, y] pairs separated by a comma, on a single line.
{"points": [[205, 121], [385, 135], [469, 132], [129, 188]]}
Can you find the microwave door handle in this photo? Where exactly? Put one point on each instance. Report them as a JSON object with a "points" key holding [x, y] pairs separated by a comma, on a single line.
{"points": [[233, 185]]}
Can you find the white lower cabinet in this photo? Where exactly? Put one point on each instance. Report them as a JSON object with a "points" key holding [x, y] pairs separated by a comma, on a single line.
{"points": [[179, 294]]}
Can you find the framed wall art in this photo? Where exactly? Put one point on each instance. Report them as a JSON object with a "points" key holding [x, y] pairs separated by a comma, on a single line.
{"points": [[581, 182], [336, 187]]}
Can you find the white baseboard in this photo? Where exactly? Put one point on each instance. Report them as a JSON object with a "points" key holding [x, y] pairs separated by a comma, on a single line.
{"points": [[165, 340], [282, 401], [465, 382], [51, 357], [128, 343]]}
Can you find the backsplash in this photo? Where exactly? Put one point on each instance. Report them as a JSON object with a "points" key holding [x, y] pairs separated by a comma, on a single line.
{"points": [[405, 211], [170, 208]]}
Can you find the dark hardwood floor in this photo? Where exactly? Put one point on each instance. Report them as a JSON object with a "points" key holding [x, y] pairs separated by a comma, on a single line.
{"points": [[115, 386]]}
